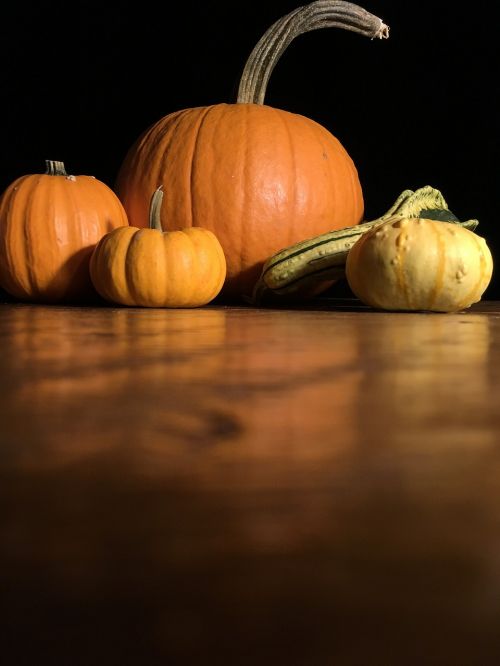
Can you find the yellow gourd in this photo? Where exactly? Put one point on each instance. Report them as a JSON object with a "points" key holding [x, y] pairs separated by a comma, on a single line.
{"points": [[419, 264]]}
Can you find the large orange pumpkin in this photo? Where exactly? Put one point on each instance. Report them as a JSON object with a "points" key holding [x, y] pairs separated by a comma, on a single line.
{"points": [[258, 177], [49, 226]]}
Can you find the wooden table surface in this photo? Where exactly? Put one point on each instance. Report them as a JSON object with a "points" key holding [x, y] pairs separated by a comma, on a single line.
{"points": [[228, 485]]}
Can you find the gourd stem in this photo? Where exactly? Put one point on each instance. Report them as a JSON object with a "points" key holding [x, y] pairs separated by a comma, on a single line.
{"points": [[55, 168], [319, 14], [154, 210]]}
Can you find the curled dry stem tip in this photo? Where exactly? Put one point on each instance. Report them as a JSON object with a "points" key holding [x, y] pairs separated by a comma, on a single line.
{"points": [[382, 32]]}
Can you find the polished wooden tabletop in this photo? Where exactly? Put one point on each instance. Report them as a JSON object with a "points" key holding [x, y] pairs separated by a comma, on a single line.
{"points": [[307, 486]]}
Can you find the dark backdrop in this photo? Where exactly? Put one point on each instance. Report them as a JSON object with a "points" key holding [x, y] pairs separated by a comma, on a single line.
{"points": [[81, 80]]}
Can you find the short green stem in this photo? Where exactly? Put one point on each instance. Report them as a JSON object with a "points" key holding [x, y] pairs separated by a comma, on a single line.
{"points": [[155, 210], [55, 168]]}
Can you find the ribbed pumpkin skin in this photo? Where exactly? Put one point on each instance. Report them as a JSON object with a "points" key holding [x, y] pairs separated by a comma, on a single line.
{"points": [[145, 267], [260, 178], [419, 264], [49, 226]]}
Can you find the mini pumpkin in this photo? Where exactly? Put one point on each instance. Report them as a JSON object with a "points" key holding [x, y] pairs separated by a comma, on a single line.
{"points": [[153, 268], [49, 226], [260, 178], [419, 264]]}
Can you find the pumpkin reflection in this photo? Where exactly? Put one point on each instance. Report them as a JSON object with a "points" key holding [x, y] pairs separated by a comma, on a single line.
{"points": [[168, 391], [297, 388], [85, 374], [428, 381]]}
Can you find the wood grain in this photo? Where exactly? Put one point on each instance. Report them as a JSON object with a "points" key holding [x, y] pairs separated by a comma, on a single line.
{"points": [[238, 486]]}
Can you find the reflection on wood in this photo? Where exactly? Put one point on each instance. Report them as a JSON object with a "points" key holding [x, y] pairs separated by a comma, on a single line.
{"points": [[241, 486]]}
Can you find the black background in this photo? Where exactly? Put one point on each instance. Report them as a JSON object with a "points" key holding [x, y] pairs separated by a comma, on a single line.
{"points": [[81, 80]]}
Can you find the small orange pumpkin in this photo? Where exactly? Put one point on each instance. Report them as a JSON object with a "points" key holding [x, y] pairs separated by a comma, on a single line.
{"points": [[49, 226], [260, 178], [152, 268]]}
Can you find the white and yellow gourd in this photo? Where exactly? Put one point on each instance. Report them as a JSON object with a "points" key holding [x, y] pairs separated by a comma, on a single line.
{"points": [[419, 264]]}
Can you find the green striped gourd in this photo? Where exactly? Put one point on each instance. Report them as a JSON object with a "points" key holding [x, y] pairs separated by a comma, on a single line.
{"points": [[312, 265]]}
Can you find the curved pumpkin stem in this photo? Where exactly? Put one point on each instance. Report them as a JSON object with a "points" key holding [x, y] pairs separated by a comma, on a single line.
{"points": [[55, 168], [319, 14], [155, 209]]}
